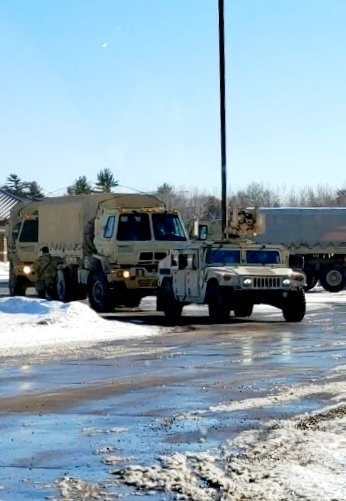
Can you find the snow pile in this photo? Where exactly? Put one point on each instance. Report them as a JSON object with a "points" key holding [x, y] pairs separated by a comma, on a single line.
{"points": [[26, 324], [300, 459], [4, 270]]}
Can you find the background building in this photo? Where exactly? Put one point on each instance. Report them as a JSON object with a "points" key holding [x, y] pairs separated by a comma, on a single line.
{"points": [[7, 201]]}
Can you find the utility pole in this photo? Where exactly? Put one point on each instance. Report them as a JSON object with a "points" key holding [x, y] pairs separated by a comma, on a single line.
{"points": [[224, 204]]}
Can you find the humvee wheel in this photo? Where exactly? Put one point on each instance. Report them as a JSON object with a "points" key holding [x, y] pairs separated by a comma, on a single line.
{"points": [[218, 310], [243, 310], [99, 293], [294, 306], [170, 306]]}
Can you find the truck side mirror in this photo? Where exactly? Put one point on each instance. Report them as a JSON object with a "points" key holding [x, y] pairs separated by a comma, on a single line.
{"points": [[202, 232]]}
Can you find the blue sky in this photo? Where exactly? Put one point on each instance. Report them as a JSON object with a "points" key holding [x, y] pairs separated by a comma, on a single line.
{"points": [[133, 85]]}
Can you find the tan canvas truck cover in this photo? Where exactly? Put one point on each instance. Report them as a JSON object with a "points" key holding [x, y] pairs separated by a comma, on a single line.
{"points": [[63, 221], [305, 230]]}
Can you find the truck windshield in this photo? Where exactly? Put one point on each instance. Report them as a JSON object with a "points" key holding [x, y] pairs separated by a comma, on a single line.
{"points": [[225, 256], [134, 227], [260, 256], [168, 227]]}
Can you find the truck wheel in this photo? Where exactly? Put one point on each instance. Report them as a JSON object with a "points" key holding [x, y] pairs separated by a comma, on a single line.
{"points": [[311, 279], [170, 306], [99, 293], [332, 278], [243, 310], [16, 285], [294, 306], [218, 310], [63, 286]]}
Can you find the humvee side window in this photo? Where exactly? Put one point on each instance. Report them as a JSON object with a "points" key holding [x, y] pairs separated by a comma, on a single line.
{"points": [[262, 256], [134, 227], [29, 231], [109, 228]]}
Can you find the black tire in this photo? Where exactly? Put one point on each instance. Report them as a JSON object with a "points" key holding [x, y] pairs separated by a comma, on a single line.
{"points": [[311, 279], [218, 310], [99, 293], [170, 306], [16, 285], [243, 310], [294, 306], [333, 278], [63, 286]]}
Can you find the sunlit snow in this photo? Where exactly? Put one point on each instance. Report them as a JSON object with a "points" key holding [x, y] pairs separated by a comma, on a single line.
{"points": [[26, 323]]}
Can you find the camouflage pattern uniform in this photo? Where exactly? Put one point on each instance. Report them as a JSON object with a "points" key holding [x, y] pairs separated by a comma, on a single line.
{"points": [[46, 268]]}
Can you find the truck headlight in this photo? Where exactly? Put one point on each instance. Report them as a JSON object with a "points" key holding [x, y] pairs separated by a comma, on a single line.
{"points": [[126, 274], [286, 282], [247, 281], [227, 276], [27, 270]]}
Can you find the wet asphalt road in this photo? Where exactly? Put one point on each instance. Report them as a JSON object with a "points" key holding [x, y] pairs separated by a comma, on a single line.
{"points": [[130, 398]]}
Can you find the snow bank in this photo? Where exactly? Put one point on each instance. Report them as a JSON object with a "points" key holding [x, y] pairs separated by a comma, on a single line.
{"points": [[27, 324], [4, 268]]}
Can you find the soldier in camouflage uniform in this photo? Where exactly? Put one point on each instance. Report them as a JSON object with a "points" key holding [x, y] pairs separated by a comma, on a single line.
{"points": [[46, 268]]}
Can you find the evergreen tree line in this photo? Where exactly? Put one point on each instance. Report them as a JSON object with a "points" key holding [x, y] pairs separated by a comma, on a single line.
{"points": [[105, 182]]}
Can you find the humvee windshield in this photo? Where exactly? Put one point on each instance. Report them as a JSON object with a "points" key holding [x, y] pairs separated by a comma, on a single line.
{"points": [[168, 227], [262, 256], [225, 256]]}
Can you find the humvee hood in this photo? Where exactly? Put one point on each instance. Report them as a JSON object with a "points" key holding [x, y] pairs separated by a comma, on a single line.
{"points": [[255, 271]]}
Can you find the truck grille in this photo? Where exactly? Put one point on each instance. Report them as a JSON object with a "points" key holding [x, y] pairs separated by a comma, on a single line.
{"points": [[147, 282], [266, 283]]}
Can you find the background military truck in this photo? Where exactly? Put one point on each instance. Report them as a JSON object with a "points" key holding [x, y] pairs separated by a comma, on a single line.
{"points": [[317, 234], [231, 275], [110, 245]]}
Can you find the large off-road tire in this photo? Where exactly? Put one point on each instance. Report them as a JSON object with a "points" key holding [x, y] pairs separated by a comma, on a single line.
{"points": [[100, 297], [333, 278], [219, 311], [312, 278], [17, 285], [243, 310], [63, 291], [294, 306], [170, 306]]}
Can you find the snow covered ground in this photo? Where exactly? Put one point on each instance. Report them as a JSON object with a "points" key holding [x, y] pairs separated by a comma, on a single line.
{"points": [[26, 324], [4, 267]]}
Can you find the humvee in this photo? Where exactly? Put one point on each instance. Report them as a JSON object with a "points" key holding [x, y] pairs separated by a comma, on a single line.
{"points": [[231, 275]]}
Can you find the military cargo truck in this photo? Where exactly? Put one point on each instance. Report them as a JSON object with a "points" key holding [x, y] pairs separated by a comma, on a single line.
{"points": [[316, 234], [110, 245], [231, 275]]}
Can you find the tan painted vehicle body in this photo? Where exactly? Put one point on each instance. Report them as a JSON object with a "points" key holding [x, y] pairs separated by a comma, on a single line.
{"points": [[230, 276], [110, 245]]}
